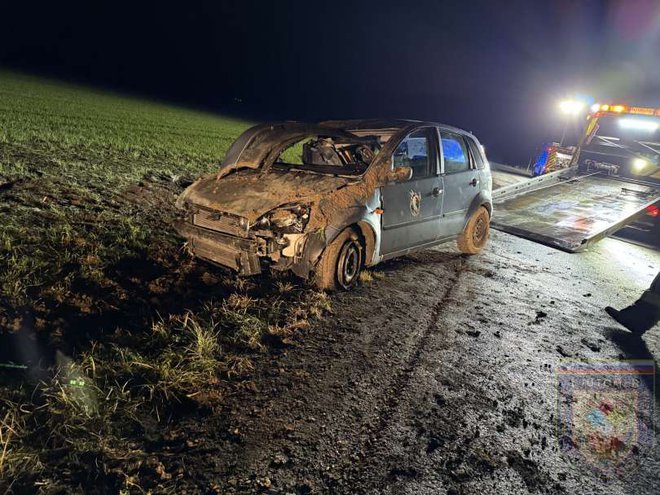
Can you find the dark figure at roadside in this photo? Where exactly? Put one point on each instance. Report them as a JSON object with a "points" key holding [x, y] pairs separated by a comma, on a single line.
{"points": [[644, 313]]}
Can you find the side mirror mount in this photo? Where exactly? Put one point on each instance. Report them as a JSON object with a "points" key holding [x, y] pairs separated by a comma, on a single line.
{"points": [[400, 174]]}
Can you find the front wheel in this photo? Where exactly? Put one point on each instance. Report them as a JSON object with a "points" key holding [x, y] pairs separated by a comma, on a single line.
{"points": [[340, 263], [473, 239]]}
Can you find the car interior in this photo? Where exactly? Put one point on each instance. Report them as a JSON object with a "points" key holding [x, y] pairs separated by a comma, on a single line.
{"points": [[327, 154]]}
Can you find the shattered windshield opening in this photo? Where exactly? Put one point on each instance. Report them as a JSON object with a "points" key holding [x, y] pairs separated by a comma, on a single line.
{"points": [[330, 155]]}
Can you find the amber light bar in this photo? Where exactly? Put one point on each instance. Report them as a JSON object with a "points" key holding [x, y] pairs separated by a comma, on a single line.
{"points": [[599, 109]]}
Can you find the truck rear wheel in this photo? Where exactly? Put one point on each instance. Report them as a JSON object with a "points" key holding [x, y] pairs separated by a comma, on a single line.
{"points": [[473, 239], [340, 263]]}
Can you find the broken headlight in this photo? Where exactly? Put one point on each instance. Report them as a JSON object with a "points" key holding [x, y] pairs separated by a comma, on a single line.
{"points": [[286, 219]]}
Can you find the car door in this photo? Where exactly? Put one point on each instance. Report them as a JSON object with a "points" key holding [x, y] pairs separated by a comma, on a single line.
{"points": [[412, 209], [461, 181]]}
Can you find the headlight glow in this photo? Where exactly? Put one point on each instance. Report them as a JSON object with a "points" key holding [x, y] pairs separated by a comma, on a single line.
{"points": [[638, 164], [639, 124], [571, 107]]}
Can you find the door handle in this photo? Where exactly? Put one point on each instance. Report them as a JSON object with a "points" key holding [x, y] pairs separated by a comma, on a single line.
{"points": [[474, 182], [436, 192]]}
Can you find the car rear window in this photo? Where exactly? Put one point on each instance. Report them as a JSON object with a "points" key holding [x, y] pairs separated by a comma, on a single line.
{"points": [[455, 153], [476, 154]]}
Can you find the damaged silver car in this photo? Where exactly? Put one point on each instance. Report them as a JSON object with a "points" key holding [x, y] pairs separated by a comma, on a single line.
{"points": [[325, 200]]}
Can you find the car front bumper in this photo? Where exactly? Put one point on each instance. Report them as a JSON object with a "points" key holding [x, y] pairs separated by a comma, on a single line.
{"points": [[223, 249]]}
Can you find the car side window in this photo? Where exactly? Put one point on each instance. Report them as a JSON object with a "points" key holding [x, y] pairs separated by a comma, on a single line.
{"points": [[415, 152], [455, 153], [476, 154]]}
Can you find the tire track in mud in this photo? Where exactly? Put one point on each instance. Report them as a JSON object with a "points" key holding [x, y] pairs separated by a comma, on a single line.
{"points": [[337, 417], [421, 382], [401, 381], [392, 463]]}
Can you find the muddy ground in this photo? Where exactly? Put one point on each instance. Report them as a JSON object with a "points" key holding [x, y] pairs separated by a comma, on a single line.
{"points": [[437, 377]]}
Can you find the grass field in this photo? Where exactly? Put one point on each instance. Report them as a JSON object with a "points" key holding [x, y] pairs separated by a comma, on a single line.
{"points": [[119, 328], [36, 110]]}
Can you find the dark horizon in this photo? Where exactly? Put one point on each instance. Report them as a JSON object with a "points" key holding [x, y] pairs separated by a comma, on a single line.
{"points": [[496, 70]]}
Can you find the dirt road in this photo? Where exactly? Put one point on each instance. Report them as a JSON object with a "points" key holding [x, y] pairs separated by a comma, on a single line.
{"points": [[437, 377]]}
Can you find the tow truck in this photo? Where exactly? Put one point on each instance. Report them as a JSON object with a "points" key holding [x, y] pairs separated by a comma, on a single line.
{"points": [[611, 180]]}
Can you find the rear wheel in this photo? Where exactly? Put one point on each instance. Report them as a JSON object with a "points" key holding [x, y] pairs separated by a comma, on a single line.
{"points": [[340, 263], [473, 239]]}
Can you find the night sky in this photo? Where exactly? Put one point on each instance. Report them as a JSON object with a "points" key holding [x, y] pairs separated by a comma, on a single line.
{"points": [[495, 67]]}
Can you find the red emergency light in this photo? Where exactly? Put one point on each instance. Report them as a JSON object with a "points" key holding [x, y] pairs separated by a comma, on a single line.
{"points": [[652, 211]]}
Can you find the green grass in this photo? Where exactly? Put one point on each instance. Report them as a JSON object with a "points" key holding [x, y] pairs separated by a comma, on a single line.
{"points": [[36, 110], [79, 147], [90, 264]]}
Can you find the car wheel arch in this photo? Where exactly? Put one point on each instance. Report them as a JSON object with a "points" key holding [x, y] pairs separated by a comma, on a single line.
{"points": [[368, 238], [333, 261], [481, 199]]}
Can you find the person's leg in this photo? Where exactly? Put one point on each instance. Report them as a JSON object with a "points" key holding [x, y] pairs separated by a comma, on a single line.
{"points": [[644, 313]]}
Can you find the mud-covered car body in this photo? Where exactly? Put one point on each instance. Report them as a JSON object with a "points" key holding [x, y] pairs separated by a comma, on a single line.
{"points": [[258, 209]]}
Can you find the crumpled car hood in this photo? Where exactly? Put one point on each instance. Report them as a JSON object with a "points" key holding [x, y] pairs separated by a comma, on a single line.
{"points": [[254, 194]]}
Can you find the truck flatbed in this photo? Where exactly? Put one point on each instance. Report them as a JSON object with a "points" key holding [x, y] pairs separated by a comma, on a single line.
{"points": [[568, 210]]}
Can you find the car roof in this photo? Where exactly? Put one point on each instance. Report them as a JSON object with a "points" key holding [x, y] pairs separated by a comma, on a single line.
{"points": [[387, 124], [254, 145]]}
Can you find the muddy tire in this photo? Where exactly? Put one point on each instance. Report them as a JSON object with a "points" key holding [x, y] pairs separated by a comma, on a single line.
{"points": [[340, 264], [475, 236]]}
